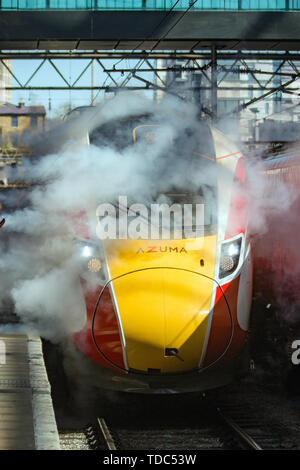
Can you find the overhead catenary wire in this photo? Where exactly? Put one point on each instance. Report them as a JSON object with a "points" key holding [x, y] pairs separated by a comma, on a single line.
{"points": [[142, 61]]}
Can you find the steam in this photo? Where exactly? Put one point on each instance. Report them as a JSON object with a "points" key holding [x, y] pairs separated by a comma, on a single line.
{"points": [[267, 196], [275, 225], [39, 262]]}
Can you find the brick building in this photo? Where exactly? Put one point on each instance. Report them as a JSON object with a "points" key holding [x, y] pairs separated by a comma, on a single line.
{"points": [[18, 123]]}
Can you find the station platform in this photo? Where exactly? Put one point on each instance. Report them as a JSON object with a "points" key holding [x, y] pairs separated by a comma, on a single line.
{"points": [[27, 420]]}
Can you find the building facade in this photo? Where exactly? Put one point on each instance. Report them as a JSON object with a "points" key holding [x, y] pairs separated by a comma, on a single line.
{"points": [[19, 123], [236, 86], [5, 81]]}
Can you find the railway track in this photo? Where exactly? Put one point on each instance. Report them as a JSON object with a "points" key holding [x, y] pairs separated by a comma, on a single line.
{"points": [[107, 436], [211, 436], [236, 420], [218, 422], [243, 437]]}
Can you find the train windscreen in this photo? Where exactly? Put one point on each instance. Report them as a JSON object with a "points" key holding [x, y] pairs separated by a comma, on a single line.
{"points": [[183, 174]]}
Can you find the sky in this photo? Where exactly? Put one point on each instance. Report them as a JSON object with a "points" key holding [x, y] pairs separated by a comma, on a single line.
{"points": [[56, 102]]}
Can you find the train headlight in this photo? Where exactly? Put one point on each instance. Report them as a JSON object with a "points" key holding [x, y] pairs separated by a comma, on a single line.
{"points": [[94, 265], [90, 257], [230, 256], [87, 251]]}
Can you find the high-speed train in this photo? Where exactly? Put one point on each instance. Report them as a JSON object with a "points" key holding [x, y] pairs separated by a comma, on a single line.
{"points": [[169, 315], [277, 258]]}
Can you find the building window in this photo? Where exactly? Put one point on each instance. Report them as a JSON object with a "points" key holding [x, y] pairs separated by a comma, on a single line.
{"points": [[33, 121], [228, 71], [14, 121], [227, 106]]}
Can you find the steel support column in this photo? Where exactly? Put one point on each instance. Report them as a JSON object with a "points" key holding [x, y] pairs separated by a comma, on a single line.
{"points": [[214, 83]]}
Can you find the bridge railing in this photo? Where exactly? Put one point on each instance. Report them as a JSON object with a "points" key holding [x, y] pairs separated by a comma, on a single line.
{"points": [[231, 5]]}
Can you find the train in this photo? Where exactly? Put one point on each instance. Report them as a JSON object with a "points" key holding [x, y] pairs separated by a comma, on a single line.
{"points": [[276, 274], [277, 259], [169, 315]]}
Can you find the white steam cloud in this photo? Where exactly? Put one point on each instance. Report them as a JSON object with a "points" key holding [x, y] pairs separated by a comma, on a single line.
{"points": [[38, 256], [38, 263]]}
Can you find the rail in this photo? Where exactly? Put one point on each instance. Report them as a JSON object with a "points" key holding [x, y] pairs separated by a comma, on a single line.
{"points": [[242, 438]]}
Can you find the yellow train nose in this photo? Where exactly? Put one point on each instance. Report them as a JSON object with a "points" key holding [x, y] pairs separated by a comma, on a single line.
{"points": [[164, 314]]}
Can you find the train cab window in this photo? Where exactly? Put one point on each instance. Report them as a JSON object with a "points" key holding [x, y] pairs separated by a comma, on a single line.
{"points": [[205, 198], [116, 134], [121, 133], [184, 172], [155, 220]]}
